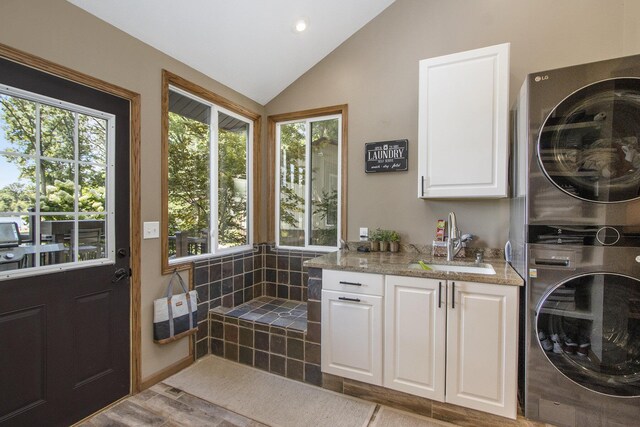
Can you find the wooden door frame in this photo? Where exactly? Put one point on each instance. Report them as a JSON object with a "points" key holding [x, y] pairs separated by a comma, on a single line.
{"points": [[61, 71]]}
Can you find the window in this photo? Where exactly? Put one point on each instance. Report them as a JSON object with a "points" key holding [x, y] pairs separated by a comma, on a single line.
{"points": [[309, 180], [56, 186], [208, 147]]}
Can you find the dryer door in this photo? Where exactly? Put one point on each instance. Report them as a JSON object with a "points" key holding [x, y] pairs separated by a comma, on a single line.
{"points": [[589, 329], [589, 144]]}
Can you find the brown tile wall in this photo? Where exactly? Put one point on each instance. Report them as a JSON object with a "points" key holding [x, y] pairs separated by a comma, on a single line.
{"points": [[285, 277], [231, 280], [226, 281], [284, 352]]}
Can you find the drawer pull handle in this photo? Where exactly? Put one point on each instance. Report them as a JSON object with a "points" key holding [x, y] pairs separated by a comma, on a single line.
{"points": [[349, 299], [350, 283]]}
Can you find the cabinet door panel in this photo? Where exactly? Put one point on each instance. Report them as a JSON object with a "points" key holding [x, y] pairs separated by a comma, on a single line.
{"points": [[352, 336], [415, 336], [482, 347], [463, 124]]}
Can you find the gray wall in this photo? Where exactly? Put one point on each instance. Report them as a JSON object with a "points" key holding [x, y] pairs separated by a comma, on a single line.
{"points": [[376, 73], [65, 34]]}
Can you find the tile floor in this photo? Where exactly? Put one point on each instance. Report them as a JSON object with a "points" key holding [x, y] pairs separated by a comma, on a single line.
{"points": [[270, 311]]}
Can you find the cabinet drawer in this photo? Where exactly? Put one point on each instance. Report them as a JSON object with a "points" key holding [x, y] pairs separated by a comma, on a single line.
{"points": [[349, 281]]}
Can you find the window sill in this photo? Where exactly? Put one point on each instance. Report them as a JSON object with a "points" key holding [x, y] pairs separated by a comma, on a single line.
{"points": [[184, 263]]}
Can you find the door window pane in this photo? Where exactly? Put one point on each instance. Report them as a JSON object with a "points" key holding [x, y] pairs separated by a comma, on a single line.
{"points": [[17, 183], [292, 183], [56, 240], [18, 125], [92, 139], [57, 129], [53, 185], [57, 186], [92, 183]]}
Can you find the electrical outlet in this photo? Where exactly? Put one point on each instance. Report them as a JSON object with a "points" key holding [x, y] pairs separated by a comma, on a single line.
{"points": [[151, 230], [364, 233]]}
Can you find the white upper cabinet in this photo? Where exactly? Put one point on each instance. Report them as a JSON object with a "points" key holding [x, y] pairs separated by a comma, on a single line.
{"points": [[463, 124]]}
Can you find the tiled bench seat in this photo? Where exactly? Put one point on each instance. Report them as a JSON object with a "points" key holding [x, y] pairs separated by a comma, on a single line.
{"points": [[270, 311], [270, 334]]}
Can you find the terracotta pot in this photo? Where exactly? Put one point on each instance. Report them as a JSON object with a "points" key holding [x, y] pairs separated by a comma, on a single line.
{"points": [[375, 246], [394, 246], [384, 246]]}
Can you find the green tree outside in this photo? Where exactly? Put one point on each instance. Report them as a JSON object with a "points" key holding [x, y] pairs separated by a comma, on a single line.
{"points": [[56, 185]]}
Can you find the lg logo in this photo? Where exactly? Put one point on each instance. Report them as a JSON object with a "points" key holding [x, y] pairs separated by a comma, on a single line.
{"points": [[541, 78]]}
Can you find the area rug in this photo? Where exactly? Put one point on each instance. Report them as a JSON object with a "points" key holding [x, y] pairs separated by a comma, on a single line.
{"points": [[387, 417], [268, 398]]}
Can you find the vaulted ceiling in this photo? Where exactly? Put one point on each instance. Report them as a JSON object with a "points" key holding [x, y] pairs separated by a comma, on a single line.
{"points": [[249, 45]]}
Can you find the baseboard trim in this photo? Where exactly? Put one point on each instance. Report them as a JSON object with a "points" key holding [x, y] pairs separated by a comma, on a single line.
{"points": [[166, 372]]}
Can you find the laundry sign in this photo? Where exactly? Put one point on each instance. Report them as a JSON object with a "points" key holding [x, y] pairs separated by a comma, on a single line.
{"points": [[386, 156]]}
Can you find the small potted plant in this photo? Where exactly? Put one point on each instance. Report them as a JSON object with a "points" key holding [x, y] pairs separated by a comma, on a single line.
{"points": [[394, 241], [384, 240], [374, 240]]}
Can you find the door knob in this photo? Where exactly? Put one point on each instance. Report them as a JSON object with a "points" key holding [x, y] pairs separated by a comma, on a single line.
{"points": [[120, 274]]}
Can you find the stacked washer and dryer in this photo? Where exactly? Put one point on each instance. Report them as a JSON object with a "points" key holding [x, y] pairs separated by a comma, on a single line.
{"points": [[575, 239]]}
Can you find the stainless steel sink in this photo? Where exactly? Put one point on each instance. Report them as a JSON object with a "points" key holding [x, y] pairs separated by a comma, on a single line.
{"points": [[471, 268]]}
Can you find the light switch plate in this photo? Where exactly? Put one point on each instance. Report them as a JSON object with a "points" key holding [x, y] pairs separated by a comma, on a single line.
{"points": [[151, 230], [364, 233]]}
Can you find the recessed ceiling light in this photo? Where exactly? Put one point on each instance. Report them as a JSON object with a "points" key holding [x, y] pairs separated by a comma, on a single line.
{"points": [[301, 25]]}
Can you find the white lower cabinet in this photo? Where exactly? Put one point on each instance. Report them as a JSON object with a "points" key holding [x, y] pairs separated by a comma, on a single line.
{"points": [[454, 342], [352, 327], [482, 347], [448, 341], [414, 330]]}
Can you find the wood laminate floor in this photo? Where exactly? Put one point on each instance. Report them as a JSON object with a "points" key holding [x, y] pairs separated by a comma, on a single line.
{"points": [[164, 406]]}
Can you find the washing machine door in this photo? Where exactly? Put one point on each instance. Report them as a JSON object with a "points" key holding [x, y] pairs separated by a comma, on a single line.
{"points": [[589, 329], [589, 144]]}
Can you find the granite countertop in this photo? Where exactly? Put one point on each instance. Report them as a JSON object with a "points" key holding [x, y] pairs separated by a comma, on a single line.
{"points": [[398, 264]]}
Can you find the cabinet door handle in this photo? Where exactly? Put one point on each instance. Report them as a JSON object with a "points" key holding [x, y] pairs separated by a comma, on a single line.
{"points": [[349, 299], [422, 185], [453, 294], [350, 283], [552, 262], [439, 294]]}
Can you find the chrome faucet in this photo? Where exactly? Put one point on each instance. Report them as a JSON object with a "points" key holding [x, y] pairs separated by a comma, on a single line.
{"points": [[454, 242]]}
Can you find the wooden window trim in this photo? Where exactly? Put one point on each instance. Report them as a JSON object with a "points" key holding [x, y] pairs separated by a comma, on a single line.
{"points": [[170, 79], [272, 121]]}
